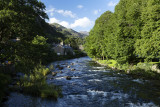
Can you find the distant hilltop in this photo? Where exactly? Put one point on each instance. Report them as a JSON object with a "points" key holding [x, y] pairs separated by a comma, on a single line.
{"points": [[69, 32], [84, 32]]}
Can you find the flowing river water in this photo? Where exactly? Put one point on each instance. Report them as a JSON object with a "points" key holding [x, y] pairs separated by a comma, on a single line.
{"points": [[93, 85]]}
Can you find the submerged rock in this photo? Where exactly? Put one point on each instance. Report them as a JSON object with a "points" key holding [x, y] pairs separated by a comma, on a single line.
{"points": [[57, 66], [68, 66], [73, 69], [68, 78], [51, 78], [60, 72], [54, 73], [60, 68]]}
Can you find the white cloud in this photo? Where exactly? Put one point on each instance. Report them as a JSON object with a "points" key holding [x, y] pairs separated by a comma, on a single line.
{"points": [[97, 11], [50, 11], [53, 20], [51, 14], [111, 3], [65, 24], [82, 22], [80, 6], [66, 13]]}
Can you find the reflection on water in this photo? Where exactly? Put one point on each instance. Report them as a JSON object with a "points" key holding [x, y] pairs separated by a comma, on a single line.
{"points": [[92, 85]]}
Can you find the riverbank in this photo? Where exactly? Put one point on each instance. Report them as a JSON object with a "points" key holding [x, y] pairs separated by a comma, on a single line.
{"points": [[144, 70], [32, 83], [92, 85]]}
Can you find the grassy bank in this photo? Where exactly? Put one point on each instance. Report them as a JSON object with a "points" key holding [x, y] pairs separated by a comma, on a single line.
{"points": [[35, 83], [144, 70]]}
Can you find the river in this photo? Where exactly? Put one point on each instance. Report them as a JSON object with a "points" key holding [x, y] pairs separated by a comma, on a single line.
{"points": [[93, 85]]}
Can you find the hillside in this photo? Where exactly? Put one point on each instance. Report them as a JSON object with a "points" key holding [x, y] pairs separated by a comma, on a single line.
{"points": [[51, 33], [67, 32], [84, 32]]}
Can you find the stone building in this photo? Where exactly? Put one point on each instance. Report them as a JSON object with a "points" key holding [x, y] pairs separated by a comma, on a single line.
{"points": [[62, 49]]}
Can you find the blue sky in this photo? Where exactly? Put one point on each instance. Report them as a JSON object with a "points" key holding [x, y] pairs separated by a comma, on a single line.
{"points": [[78, 15]]}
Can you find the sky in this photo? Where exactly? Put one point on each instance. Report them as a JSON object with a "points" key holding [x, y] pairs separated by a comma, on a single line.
{"points": [[79, 15]]}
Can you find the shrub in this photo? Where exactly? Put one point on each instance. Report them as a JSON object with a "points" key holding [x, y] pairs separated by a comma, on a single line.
{"points": [[36, 85], [51, 67]]}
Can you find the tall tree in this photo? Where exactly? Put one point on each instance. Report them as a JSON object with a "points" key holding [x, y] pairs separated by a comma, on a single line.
{"points": [[148, 45], [128, 14], [95, 43], [19, 18]]}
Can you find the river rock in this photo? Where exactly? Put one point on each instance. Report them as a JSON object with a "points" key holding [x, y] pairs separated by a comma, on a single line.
{"points": [[72, 63], [68, 78], [60, 68], [60, 72], [54, 73], [73, 69], [68, 66], [57, 66], [51, 78]]}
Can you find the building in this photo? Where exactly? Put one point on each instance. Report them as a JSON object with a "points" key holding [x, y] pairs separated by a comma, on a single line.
{"points": [[62, 49]]}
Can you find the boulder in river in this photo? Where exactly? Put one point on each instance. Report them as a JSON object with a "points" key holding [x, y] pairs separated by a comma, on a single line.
{"points": [[72, 63], [57, 66], [73, 69], [60, 72], [51, 78], [60, 68], [68, 66], [68, 77], [54, 73]]}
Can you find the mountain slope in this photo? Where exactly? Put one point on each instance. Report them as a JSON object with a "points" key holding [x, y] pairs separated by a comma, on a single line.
{"points": [[67, 32], [51, 33], [84, 32]]}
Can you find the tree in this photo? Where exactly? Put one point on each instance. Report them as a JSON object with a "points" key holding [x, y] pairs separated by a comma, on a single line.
{"points": [[95, 44], [147, 46], [19, 18], [128, 29]]}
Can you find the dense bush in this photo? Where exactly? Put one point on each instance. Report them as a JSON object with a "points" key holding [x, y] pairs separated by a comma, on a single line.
{"points": [[35, 83]]}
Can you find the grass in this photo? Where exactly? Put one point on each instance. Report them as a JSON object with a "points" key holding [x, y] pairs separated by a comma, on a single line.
{"points": [[35, 84], [140, 70], [109, 63]]}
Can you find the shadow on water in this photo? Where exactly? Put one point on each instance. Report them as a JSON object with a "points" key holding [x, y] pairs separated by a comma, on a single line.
{"points": [[92, 85]]}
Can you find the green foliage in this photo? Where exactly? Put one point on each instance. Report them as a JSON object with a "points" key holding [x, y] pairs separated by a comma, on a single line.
{"points": [[129, 34], [148, 45], [51, 67], [74, 42], [95, 42], [109, 63], [39, 40], [35, 83], [25, 20], [19, 18]]}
